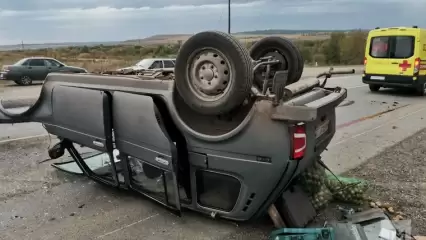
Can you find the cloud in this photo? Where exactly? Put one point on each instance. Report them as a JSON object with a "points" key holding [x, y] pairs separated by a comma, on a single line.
{"points": [[105, 20], [103, 12]]}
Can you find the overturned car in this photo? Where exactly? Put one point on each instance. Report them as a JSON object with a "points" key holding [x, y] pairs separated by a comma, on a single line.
{"points": [[226, 138]]}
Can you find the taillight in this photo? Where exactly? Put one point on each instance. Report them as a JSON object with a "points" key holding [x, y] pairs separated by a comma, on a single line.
{"points": [[416, 66], [299, 142], [365, 61]]}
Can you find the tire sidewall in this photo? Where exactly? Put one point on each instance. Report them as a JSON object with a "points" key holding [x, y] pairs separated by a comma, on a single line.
{"points": [[240, 74], [21, 83], [286, 48]]}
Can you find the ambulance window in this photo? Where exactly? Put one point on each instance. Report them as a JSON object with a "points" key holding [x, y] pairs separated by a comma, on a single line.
{"points": [[379, 47], [404, 47]]}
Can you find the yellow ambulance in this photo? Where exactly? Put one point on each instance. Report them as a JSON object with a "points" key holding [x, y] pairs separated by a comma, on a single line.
{"points": [[396, 57]]}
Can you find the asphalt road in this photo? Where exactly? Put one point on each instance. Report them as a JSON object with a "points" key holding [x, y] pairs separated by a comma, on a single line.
{"points": [[39, 202]]}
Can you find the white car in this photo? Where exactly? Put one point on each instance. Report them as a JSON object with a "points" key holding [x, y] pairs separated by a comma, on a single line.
{"points": [[165, 64]]}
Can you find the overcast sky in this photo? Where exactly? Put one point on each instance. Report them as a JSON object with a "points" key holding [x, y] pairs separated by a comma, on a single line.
{"points": [[38, 21]]}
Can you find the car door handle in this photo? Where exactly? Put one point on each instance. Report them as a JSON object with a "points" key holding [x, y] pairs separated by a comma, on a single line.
{"points": [[30, 68], [161, 160], [394, 63], [98, 143]]}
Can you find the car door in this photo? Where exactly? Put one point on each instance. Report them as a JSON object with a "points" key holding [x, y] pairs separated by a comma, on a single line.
{"points": [[52, 66], [169, 65], [36, 69], [150, 153]]}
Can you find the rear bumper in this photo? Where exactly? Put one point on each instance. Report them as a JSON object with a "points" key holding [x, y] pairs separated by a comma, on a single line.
{"points": [[394, 80], [310, 106]]}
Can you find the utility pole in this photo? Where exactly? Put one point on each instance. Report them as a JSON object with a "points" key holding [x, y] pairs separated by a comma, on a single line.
{"points": [[229, 16]]}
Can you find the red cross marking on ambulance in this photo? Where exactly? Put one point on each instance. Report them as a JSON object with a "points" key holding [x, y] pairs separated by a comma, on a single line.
{"points": [[404, 65]]}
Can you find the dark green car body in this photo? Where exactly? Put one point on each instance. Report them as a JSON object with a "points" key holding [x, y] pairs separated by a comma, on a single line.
{"points": [[27, 70]]}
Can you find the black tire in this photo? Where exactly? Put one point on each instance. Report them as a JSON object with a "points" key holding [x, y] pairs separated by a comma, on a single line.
{"points": [[24, 81], [374, 87], [421, 90], [294, 61], [237, 80]]}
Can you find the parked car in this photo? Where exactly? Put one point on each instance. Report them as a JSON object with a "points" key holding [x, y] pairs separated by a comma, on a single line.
{"points": [[164, 64], [28, 70]]}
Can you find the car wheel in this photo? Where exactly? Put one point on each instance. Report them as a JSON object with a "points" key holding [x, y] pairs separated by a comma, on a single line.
{"points": [[213, 73], [281, 49], [374, 87], [24, 81], [421, 91]]}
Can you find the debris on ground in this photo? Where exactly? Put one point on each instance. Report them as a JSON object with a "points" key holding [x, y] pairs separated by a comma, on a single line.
{"points": [[324, 188], [397, 176], [351, 207], [370, 224], [395, 180]]}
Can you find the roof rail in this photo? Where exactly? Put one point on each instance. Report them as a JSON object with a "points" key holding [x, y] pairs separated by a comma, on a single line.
{"points": [[415, 26], [377, 28]]}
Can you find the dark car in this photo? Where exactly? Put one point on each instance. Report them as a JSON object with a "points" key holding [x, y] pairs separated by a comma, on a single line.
{"points": [[27, 70]]}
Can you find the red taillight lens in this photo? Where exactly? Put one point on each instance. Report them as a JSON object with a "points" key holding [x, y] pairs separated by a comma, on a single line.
{"points": [[417, 65], [299, 142], [365, 61]]}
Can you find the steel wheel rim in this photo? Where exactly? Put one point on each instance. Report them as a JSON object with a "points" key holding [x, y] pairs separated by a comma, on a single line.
{"points": [[210, 75], [26, 80]]}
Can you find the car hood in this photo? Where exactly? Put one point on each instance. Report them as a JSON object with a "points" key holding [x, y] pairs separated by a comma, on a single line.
{"points": [[75, 68], [132, 68], [4, 67]]}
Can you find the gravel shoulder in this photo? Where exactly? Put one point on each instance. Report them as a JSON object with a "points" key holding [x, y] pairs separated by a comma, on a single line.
{"points": [[398, 176]]}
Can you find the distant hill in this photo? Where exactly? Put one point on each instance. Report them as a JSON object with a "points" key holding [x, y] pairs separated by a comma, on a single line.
{"points": [[174, 38], [286, 32], [53, 45]]}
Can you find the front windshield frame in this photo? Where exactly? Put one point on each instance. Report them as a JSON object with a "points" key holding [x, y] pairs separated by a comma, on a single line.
{"points": [[20, 62], [144, 63]]}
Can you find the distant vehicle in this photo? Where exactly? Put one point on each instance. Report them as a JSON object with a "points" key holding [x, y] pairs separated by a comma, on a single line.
{"points": [[28, 70], [396, 57], [164, 64]]}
